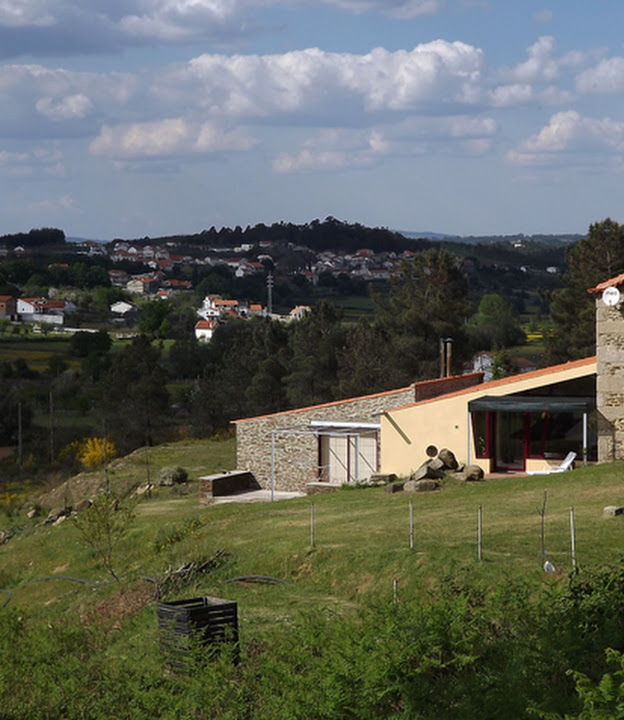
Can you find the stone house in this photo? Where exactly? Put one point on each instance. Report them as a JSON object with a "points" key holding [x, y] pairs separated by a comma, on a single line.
{"points": [[514, 424], [336, 442]]}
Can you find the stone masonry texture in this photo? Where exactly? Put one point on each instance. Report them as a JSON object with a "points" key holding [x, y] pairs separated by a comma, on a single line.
{"points": [[610, 380]]}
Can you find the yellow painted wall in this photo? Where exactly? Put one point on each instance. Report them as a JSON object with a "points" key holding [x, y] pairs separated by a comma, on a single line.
{"points": [[445, 421]]}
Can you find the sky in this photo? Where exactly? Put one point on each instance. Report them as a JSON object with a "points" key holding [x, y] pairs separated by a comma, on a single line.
{"points": [[134, 118]]}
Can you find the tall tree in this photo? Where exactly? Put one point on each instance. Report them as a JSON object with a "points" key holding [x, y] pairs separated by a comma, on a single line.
{"points": [[315, 343], [134, 394], [266, 393], [363, 363], [596, 258], [427, 301]]}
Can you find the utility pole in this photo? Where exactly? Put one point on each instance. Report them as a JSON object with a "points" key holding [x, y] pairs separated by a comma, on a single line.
{"points": [[19, 435], [269, 283], [51, 428]]}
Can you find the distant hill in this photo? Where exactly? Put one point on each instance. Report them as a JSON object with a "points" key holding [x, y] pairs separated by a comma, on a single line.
{"points": [[554, 239]]}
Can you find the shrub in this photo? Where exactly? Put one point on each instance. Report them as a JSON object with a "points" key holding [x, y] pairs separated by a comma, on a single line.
{"points": [[172, 475]]}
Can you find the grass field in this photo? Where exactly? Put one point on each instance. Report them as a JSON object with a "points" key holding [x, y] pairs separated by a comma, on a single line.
{"points": [[35, 351], [361, 626], [361, 537]]}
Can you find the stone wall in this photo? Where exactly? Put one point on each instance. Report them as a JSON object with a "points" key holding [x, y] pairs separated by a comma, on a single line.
{"points": [[610, 380], [296, 450], [227, 483]]}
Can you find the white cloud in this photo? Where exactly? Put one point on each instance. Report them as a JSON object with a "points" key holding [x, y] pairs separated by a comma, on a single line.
{"points": [[607, 77], [508, 95], [334, 149], [175, 20], [76, 27], [315, 81], [553, 95], [338, 149], [20, 13], [64, 202], [504, 96], [400, 9], [568, 132], [306, 86], [540, 65], [36, 162], [167, 137], [65, 108]]}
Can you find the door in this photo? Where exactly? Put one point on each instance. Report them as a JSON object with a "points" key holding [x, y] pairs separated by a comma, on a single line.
{"points": [[348, 458], [510, 441]]}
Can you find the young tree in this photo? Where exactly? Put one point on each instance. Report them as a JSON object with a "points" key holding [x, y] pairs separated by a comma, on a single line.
{"points": [[103, 525], [153, 318], [494, 324]]}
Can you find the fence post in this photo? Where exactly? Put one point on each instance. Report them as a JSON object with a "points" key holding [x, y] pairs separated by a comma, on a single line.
{"points": [[411, 524], [312, 525], [480, 533], [572, 538]]}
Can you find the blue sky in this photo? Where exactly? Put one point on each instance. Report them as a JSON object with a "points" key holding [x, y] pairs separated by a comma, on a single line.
{"points": [[126, 118]]}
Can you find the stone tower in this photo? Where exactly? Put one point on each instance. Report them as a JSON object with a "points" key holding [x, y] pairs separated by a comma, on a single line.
{"points": [[610, 368]]}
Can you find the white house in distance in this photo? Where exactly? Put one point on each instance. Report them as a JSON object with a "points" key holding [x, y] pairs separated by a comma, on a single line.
{"points": [[42, 310], [204, 330]]}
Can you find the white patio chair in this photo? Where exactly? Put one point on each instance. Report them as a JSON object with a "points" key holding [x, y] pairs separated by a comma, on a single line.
{"points": [[567, 464]]}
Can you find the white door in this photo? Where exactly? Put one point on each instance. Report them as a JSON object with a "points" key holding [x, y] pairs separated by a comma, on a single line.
{"points": [[348, 458]]}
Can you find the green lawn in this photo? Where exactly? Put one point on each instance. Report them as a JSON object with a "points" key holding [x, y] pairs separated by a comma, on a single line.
{"points": [[332, 624], [362, 538]]}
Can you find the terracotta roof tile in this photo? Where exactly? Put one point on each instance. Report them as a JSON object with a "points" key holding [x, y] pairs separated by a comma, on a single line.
{"points": [[612, 282]]}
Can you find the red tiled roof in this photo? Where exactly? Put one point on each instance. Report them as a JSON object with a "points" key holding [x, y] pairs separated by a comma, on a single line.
{"points": [[205, 324], [613, 282], [510, 380], [414, 387]]}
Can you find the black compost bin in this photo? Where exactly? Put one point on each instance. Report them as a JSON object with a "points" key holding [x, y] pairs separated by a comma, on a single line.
{"points": [[197, 622]]}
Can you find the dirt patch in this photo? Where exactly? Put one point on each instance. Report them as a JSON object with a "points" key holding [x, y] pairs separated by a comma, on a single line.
{"points": [[305, 569], [364, 584], [121, 605], [80, 487]]}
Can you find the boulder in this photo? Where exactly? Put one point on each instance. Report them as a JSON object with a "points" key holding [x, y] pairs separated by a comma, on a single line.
{"points": [[55, 514], [394, 487], [473, 473], [431, 469], [426, 485], [448, 458], [383, 478]]}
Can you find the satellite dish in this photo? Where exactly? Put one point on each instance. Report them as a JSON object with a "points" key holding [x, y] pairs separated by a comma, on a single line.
{"points": [[611, 296]]}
